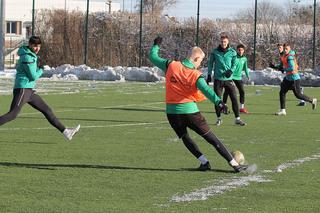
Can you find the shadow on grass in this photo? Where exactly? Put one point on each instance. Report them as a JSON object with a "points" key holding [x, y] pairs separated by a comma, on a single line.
{"points": [[87, 166]]}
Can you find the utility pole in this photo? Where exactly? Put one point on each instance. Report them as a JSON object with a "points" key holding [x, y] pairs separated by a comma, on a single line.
{"points": [[255, 34], [2, 33]]}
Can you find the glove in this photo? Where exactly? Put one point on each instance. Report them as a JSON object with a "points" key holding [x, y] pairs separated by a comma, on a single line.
{"points": [[209, 79], [281, 69], [271, 65], [40, 63], [157, 41], [228, 73], [223, 108]]}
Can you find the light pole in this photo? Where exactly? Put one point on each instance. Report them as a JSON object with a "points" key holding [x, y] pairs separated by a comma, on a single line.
{"points": [[314, 35], [86, 35], [33, 17], [198, 14], [255, 33], [140, 45], [2, 33]]}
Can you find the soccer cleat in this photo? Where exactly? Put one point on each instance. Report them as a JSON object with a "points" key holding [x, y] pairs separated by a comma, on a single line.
{"points": [[240, 122], [244, 110], [70, 132], [204, 167], [219, 122], [240, 168], [314, 103], [281, 113]]}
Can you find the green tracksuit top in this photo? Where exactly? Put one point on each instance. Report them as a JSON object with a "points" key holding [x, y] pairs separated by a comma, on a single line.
{"points": [[185, 108], [223, 61], [241, 65], [27, 69]]}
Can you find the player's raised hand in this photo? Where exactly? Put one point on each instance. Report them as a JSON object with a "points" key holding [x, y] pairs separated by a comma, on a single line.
{"points": [[157, 41]]}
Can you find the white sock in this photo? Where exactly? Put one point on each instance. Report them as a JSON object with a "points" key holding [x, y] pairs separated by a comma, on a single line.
{"points": [[237, 118], [233, 162], [203, 159], [241, 106], [219, 118], [283, 110]]}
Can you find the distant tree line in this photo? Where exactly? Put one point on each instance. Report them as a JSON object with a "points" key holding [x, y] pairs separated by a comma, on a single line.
{"points": [[114, 38]]}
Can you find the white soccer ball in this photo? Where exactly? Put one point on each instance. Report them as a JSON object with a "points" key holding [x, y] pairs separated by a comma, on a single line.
{"points": [[238, 156]]}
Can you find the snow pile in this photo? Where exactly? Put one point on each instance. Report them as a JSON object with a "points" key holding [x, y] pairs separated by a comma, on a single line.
{"points": [[83, 72], [68, 72]]}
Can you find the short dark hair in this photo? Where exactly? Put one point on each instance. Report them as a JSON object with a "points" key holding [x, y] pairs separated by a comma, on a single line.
{"points": [[241, 46], [223, 36], [34, 40], [286, 45], [279, 45]]}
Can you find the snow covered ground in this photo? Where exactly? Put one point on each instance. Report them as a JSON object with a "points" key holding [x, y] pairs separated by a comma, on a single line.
{"points": [[151, 74]]}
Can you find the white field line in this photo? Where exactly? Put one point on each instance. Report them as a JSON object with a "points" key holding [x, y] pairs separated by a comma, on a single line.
{"points": [[87, 127], [230, 184], [98, 108]]}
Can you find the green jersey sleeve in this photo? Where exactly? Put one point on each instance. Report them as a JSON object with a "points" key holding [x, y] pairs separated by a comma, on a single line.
{"points": [[207, 91]]}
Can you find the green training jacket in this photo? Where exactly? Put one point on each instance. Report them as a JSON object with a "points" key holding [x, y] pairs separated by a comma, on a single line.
{"points": [[241, 65], [27, 69], [222, 61]]}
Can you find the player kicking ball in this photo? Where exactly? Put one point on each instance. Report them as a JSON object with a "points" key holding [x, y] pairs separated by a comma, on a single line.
{"points": [[29, 70], [185, 86]]}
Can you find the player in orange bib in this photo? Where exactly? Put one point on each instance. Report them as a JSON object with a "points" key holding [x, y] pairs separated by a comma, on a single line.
{"points": [[185, 86]]}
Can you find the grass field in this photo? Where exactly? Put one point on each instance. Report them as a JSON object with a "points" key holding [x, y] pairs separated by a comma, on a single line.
{"points": [[126, 158]]}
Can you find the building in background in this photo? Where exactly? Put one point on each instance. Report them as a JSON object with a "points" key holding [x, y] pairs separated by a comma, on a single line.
{"points": [[18, 18]]}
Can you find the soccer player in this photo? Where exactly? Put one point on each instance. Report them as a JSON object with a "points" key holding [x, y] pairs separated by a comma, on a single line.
{"points": [[241, 65], [291, 81], [279, 66], [185, 86], [223, 57], [29, 69]]}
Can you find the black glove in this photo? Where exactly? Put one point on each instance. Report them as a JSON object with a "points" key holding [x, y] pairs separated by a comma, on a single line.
{"points": [[209, 79], [223, 108], [271, 65], [281, 69], [40, 63], [228, 73], [157, 41]]}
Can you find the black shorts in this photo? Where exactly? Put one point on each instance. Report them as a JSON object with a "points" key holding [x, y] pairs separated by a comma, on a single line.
{"points": [[195, 121]]}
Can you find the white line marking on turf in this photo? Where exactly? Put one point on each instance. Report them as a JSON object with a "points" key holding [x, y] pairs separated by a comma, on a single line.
{"points": [[87, 127], [223, 186], [229, 184]]}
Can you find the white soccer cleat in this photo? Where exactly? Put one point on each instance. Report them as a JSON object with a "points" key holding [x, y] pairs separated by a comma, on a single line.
{"points": [[281, 112], [314, 103], [70, 132]]}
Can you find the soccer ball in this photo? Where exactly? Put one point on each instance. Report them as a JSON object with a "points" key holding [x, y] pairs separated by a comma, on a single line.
{"points": [[238, 156]]}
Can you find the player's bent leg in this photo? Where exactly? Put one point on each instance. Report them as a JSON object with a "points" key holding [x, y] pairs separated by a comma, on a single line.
{"points": [[38, 103]]}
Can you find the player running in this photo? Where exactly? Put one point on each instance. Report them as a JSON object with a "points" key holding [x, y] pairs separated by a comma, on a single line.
{"points": [[183, 85], [291, 81], [29, 70], [241, 65], [223, 57]]}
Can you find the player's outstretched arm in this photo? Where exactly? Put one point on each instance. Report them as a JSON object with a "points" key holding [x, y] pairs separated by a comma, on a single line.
{"points": [[154, 57], [31, 68]]}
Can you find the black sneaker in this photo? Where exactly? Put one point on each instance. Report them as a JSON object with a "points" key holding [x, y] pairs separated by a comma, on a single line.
{"points": [[240, 122], [240, 168], [301, 103], [204, 167]]}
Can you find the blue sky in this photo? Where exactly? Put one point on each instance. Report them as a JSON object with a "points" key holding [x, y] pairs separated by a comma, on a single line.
{"points": [[208, 8]]}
